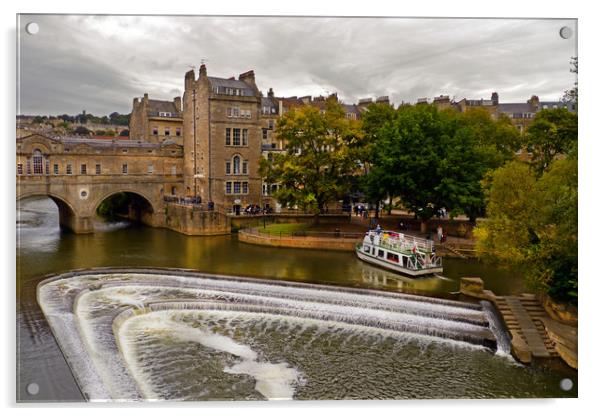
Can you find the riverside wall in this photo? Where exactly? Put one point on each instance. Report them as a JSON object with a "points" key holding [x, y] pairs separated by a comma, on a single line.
{"points": [[306, 242]]}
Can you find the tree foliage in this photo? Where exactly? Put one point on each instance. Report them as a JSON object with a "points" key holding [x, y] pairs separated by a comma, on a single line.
{"points": [[532, 220], [320, 158], [432, 159], [553, 132]]}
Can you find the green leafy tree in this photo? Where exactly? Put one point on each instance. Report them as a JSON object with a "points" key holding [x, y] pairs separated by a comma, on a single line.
{"points": [[318, 163], [377, 117], [429, 159], [552, 133], [532, 221]]}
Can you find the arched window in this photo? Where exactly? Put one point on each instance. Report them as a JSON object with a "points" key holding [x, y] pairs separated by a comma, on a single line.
{"points": [[37, 162], [236, 165]]}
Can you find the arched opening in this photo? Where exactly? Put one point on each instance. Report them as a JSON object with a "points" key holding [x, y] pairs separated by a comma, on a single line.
{"points": [[41, 219], [128, 206]]}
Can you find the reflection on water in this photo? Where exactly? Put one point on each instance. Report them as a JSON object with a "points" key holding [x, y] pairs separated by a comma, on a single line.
{"points": [[43, 249]]}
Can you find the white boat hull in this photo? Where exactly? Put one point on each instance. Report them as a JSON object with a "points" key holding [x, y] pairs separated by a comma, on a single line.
{"points": [[396, 267]]}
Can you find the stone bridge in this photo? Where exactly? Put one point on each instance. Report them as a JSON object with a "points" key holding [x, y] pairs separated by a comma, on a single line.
{"points": [[78, 174]]}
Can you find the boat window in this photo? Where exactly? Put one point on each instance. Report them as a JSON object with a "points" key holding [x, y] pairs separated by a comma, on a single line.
{"points": [[381, 253], [366, 249], [393, 257]]}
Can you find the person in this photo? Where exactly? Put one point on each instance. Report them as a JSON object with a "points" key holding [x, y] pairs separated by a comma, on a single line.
{"points": [[379, 229], [401, 225], [440, 233]]}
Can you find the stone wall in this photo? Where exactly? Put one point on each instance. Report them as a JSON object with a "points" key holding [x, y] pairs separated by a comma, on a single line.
{"points": [[316, 243], [193, 221], [244, 221]]}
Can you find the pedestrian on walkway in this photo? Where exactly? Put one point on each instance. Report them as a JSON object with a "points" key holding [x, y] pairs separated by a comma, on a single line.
{"points": [[440, 233]]}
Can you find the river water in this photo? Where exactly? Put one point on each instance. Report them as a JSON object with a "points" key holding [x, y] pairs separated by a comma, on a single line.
{"points": [[343, 361]]}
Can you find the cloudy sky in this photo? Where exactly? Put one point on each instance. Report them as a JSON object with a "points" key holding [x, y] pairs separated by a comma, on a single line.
{"points": [[99, 63]]}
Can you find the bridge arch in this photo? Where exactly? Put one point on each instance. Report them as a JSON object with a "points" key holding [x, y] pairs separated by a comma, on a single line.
{"points": [[140, 206], [68, 216]]}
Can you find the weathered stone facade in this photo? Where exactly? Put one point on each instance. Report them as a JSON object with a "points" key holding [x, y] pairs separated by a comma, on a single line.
{"points": [[156, 121], [222, 142]]}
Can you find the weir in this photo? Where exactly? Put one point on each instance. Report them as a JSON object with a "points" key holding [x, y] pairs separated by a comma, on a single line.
{"points": [[90, 311]]}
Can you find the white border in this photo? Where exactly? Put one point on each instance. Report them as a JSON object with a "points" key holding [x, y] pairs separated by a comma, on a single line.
{"points": [[590, 206]]}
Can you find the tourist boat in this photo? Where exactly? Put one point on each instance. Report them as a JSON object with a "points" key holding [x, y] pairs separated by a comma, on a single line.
{"points": [[394, 251]]}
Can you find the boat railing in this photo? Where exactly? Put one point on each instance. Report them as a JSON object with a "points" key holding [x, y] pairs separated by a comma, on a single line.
{"points": [[403, 242]]}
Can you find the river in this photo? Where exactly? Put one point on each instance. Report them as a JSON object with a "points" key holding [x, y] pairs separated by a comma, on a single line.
{"points": [[43, 249]]}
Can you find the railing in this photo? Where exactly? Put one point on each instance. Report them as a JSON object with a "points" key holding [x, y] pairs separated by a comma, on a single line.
{"points": [[401, 242], [194, 202], [302, 234]]}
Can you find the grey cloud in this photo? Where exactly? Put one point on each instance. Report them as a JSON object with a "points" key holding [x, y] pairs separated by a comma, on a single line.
{"points": [[99, 63]]}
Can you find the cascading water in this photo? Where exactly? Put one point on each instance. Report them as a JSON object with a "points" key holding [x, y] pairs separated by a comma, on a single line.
{"points": [[186, 336]]}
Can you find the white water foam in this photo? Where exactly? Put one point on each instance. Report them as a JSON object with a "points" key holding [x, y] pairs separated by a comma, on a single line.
{"points": [[275, 381]]}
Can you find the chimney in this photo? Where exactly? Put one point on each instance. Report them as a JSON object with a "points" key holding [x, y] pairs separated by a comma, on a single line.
{"points": [[189, 80], [135, 102], [145, 98], [202, 71], [249, 79], [178, 103], [271, 93], [495, 99], [534, 102]]}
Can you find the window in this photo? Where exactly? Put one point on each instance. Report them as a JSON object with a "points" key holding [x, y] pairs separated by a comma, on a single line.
{"points": [[228, 142], [56, 169], [237, 187], [236, 165], [124, 168], [228, 187], [155, 131], [47, 167], [83, 169], [69, 169], [227, 168], [150, 168], [245, 187], [173, 190], [37, 162], [381, 253], [245, 169], [236, 137], [173, 170], [245, 137], [233, 112], [264, 134], [178, 131], [271, 124], [392, 257], [19, 168], [98, 169], [167, 131]]}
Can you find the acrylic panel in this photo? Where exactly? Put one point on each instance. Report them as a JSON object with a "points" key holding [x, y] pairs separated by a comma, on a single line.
{"points": [[295, 208]]}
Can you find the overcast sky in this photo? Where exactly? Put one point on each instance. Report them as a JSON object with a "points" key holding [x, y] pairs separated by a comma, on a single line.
{"points": [[99, 63]]}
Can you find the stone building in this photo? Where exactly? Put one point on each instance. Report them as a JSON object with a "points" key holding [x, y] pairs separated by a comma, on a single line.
{"points": [[156, 121], [222, 139]]}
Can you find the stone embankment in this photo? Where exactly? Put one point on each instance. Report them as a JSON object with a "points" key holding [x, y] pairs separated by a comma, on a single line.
{"points": [[318, 241], [536, 335]]}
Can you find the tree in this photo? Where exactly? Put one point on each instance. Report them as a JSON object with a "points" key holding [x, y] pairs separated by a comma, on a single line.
{"points": [[317, 165], [429, 159], [377, 116], [572, 95], [553, 132], [532, 221], [82, 131]]}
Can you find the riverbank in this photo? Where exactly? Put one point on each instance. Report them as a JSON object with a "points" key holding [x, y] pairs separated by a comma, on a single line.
{"points": [[536, 335]]}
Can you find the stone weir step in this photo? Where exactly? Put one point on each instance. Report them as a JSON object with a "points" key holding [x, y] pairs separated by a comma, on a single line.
{"points": [[524, 317]]}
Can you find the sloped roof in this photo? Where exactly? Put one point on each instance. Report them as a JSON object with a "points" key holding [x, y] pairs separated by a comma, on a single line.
{"points": [[231, 83], [515, 108], [159, 106]]}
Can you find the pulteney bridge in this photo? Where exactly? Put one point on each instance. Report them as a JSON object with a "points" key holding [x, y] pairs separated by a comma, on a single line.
{"points": [[78, 174]]}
